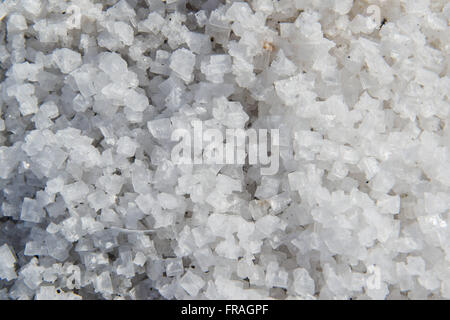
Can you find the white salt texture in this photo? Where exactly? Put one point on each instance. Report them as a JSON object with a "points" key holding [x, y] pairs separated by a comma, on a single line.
{"points": [[93, 204]]}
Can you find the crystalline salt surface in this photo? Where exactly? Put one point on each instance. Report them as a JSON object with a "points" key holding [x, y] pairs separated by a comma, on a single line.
{"points": [[93, 203]]}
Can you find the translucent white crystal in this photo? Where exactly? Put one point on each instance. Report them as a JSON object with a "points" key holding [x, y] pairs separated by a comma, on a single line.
{"points": [[192, 283], [67, 60], [126, 146], [182, 63], [7, 263]]}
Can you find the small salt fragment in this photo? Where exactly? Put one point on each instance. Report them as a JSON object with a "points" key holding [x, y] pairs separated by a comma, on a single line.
{"points": [[7, 263]]}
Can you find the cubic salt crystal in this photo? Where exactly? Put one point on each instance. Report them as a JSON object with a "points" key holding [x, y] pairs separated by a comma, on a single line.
{"points": [[276, 276], [113, 65], [100, 200], [55, 185], [140, 259], [215, 67], [282, 66], [103, 283], [145, 202], [383, 182], [26, 71], [227, 185], [192, 283], [67, 60], [75, 192], [32, 274], [167, 201], [303, 284], [80, 103], [153, 23], [269, 224], [136, 101], [31, 211], [160, 128], [49, 109], [182, 63], [24, 93], [198, 43], [124, 32], [126, 146], [436, 203], [229, 113], [369, 166], [389, 204], [32, 6], [229, 248], [174, 267], [16, 23], [269, 187], [7, 263]]}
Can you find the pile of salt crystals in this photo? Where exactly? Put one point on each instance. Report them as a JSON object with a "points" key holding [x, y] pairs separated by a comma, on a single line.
{"points": [[93, 207]]}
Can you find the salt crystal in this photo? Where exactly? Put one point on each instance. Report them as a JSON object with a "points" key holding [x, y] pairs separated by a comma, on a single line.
{"points": [[182, 63], [16, 23], [31, 211], [161, 128], [92, 202], [67, 60], [192, 283], [126, 147], [174, 267], [230, 113], [153, 23], [303, 284], [113, 65], [269, 187], [7, 263], [103, 283], [75, 191]]}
